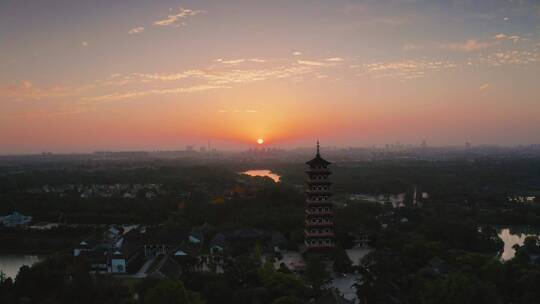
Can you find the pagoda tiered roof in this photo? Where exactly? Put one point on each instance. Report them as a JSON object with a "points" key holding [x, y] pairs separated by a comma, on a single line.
{"points": [[318, 160]]}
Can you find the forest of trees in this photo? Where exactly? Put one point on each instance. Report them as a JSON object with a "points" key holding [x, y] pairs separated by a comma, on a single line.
{"points": [[444, 252]]}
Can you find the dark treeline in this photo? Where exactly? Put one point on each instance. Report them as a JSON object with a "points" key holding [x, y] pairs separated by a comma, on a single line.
{"points": [[443, 252], [442, 179]]}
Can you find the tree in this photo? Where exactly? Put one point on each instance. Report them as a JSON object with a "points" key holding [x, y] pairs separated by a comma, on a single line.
{"points": [[288, 300], [342, 263], [171, 292], [458, 288], [316, 273], [243, 269], [531, 244], [365, 286]]}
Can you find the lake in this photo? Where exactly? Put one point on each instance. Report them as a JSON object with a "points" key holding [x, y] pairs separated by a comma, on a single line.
{"points": [[264, 173], [10, 263], [512, 236]]}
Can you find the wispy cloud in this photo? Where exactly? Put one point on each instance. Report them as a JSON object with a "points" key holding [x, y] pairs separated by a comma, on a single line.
{"points": [[175, 20], [205, 79], [297, 53], [511, 57], [162, 77], [484, 87], [39, 114], [239, 60], [141, 93], [312, 63], [463, 46], [405, 69], [136, 30], [334, 59], [231, 61], [466, 46], [259, 60], [25, 90], [84, 43], [514, 38]]}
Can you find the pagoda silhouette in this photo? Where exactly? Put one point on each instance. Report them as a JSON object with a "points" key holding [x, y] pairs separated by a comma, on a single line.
{"points": [[319, 220]]}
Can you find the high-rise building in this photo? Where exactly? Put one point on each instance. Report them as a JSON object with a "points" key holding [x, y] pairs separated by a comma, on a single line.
{"points": [[319, 223]]}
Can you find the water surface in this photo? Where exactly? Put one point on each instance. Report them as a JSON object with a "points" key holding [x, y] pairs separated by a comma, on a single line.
{"points": [[10, 263], [264, 173], [512, 236]]}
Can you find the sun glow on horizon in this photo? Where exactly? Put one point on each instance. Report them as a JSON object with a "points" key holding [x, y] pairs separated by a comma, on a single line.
{"points": [[260, 141]]}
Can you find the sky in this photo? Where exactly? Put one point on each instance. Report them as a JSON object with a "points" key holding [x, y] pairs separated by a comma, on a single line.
{"points": [[79, 76]]}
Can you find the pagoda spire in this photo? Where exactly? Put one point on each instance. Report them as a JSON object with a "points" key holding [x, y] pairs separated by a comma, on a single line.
{"points": [[318, 148]]}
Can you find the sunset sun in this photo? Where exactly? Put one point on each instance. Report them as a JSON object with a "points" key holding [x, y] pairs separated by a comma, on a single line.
{"points": [[260, 141]]}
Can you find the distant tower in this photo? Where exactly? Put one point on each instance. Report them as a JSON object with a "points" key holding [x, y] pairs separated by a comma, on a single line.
{"points": [[319, 224]]}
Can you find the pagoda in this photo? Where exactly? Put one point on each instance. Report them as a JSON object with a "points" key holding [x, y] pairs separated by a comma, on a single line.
{"points": [[319, 222]]}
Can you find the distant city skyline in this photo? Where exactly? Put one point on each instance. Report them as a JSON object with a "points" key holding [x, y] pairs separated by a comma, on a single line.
{"points": [[83, 76], [303, 149]]}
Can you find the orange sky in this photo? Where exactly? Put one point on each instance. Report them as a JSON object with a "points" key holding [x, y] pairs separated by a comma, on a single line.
{"points": [[162, 75]]}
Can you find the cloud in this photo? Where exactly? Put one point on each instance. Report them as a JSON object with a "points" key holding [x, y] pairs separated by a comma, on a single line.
{"points": [[297, 53], [464, 46], [204, 79], [136, 30], [484, 87], [334, 59], [84, 43], [215, 76], [163, 77], [511, 57], [232, 61], [239, 60], [514, 38], [39, 114], [174, 20], [405, 69], [252, 75], [141, 93], [25, 90], [467, 46], [312, 63]]}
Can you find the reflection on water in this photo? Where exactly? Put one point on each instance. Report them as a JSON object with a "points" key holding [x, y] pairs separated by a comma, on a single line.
{"points": [[10, 263], [264, 173], [512, 236]]}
